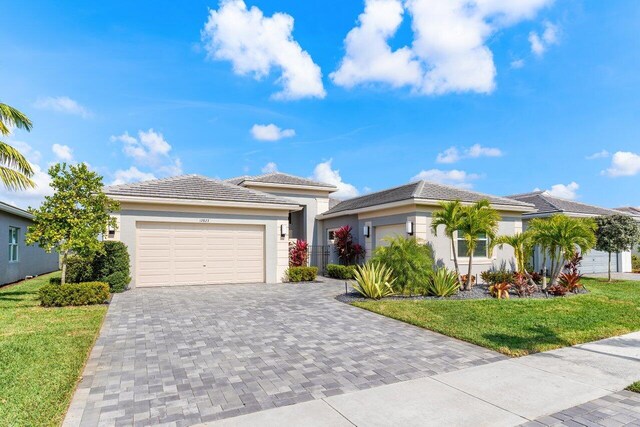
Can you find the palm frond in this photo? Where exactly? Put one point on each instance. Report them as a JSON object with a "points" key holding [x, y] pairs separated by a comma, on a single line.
{"points": [[10, 117], [12, 158], [14, 180]]}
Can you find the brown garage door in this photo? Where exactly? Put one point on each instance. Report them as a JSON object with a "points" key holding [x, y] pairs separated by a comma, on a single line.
{"points": [[195, 254]]}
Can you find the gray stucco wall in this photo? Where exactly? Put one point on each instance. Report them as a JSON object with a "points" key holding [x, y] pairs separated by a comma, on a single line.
{"points": [[32, 260], [129, 218], [334, 223]]}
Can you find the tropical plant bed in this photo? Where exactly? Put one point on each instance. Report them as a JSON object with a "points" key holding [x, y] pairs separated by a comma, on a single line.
{"points": [[521, 326], [42, 354], [478, 292]]}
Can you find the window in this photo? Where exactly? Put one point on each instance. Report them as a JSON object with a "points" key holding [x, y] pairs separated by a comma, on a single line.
{"points": [[482, 246], [331, 236], [13, 244]]}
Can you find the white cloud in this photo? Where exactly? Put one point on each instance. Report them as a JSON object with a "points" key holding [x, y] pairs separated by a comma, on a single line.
{"points": [[516, 64], [271, 132], [62, 152], [453, 155], [540, 43], [150, 149], [34, 156], [324, 173], [457, 178], [562, 191], [270, 168], [256, 44], [448, 53], [624, 163], [133, 174], [599, 155], [62, 104]]}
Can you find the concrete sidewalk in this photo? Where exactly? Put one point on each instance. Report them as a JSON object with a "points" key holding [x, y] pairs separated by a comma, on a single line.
{"points": [[504, 393]]}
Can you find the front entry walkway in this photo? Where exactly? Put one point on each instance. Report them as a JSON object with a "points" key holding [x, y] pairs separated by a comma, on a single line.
{"points": [[186, 355]]}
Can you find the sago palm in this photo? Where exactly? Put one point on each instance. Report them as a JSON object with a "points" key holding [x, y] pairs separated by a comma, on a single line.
{"points": [[449, 215], [560, 237], [15, 170], [477, 219]]}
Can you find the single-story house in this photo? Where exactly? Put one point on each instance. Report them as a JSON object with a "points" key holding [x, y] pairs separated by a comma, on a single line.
{"points": [[17, 260], [407, 210], [190, 230], [635, 213], [547, 205]]}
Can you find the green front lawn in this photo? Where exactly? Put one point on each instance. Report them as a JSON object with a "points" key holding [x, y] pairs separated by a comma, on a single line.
{"points": [[42, 353], [517, 327]]}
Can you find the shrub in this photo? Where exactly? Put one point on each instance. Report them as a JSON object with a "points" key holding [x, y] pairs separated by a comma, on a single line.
{"points": [[410, 261], [301, 274], [442, 283], [344, 272], [635, 263], [571, 281], [117, 281], [55, 280], [493, 277], [374, 280], [298, 254], [557, 290], [87, 293], [500, 290], [79, 269], [348, 252], [522, 285], [113, 259]]}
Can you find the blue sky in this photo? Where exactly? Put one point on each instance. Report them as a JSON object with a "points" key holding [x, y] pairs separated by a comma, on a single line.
{"points": [[498, 97]]}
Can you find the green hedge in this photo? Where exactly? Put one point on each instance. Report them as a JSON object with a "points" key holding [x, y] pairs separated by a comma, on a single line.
{"points": [[88, 293], [110, 266], [302, 274], [344, 272]]}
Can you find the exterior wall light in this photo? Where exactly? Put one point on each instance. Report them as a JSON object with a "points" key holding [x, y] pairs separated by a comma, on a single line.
{"points": [[410, 228], [366, 231]]}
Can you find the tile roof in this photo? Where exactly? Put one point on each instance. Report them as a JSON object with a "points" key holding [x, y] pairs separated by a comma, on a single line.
{"points": [[278, 178], [194, 187], [631, 210], [420, 190], [547, 204]]}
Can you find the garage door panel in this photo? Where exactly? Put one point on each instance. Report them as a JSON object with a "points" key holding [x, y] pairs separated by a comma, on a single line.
{"points": [[185, 254], [386, 231]]}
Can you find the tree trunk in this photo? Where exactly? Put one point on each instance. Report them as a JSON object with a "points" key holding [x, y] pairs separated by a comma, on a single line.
{"points": [[455, 258], [609, 267], [63, 279], [467, 285]]}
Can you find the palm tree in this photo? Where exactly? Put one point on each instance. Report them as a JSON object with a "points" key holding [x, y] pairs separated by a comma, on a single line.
{"points": [[560, 236], [15, 170], [477, 219], [522, 247], [450, 215]]}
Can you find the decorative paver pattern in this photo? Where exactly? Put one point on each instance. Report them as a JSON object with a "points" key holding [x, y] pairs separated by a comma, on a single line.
{"points": [[617, 409], [184, 355]]}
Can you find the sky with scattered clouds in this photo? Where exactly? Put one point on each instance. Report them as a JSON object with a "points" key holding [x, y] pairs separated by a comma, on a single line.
{"points": [[498, 96]]}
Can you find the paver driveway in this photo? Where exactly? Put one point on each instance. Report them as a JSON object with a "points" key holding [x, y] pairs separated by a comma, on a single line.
{"points": [[184, 355]]}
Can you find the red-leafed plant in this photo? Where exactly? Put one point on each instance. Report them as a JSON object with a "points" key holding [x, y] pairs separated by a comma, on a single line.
{"points": [[500, 290], [571, 281], [523, 286], [348, 252], [298, 254]]}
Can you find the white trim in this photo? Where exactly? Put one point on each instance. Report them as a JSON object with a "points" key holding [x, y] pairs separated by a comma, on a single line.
{"points": [[218, 203], [15, 211], [329, 189]]}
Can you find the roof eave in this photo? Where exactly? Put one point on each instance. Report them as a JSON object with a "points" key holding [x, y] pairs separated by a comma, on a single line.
{"points": [[15, 211], [211, 203], [327, 188]]}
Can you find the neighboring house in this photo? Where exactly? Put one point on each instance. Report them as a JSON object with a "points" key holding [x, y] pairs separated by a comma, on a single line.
{"points": [[547, 205], [407, 210], [190, 230], [17, 260], [635, 212]]}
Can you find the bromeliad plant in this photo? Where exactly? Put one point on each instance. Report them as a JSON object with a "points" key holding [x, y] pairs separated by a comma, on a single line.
{"points": [[443, 283], [500, 290], [374, 280]]}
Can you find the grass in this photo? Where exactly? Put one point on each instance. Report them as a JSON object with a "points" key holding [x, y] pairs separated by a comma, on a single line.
{"points": [[635, 387], [42, 353], [519, 327]]}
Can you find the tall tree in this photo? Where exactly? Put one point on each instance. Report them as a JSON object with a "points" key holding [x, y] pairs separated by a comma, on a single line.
{"points": [[449, 215], [73, 218], [522, 247], [477, 219], [616, 233], [560, 236], [15, 170]]}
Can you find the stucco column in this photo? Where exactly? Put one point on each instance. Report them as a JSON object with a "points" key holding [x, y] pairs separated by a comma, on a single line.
{"points": [[368, 244], [421, 228], [282, 251]]}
